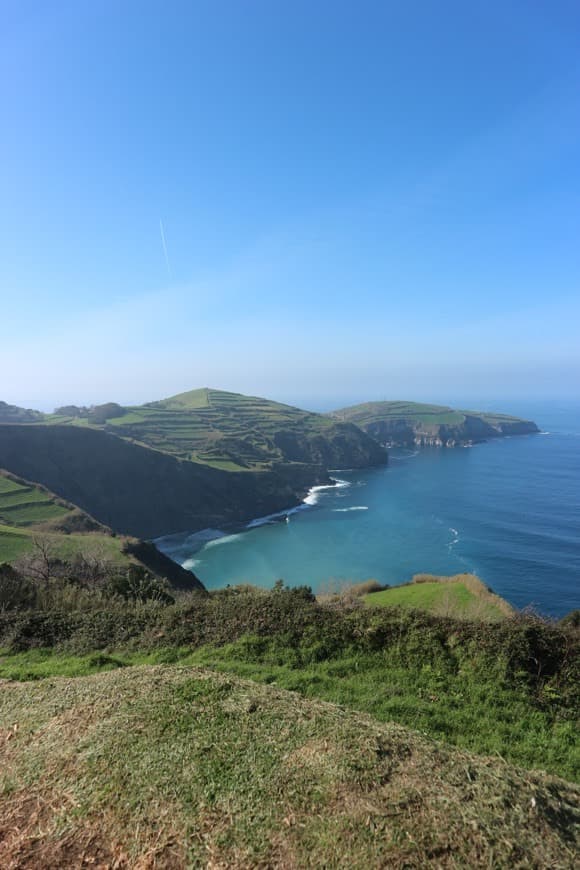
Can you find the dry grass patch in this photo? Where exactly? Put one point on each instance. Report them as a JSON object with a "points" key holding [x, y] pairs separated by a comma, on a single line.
{"points": [[171, 767]]}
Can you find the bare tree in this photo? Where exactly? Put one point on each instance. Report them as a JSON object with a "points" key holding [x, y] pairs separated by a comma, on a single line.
{"points": [[39, 564]]}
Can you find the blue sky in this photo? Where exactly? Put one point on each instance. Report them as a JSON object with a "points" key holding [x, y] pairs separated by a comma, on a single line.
{"points": [[359, 200]]}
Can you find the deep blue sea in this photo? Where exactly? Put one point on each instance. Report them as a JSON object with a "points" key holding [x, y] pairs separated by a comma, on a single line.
{"points": [[507, 510]]}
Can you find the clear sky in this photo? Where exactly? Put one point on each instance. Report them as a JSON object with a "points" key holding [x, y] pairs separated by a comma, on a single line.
{"points": [[310, 200]]}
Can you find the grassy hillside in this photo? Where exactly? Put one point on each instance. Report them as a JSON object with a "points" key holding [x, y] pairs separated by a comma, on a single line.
{"points": [[463, 595], [415, 423], [201, 459], [143, 492], [236, 432], [369, 412], [32, 517], [509, 687], [172, 766], [233, 432], [28, 511]]}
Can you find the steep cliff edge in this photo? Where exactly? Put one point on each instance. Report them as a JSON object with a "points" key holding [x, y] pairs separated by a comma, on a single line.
{"points": [[143, 492], [410, 423], [36, 523]]}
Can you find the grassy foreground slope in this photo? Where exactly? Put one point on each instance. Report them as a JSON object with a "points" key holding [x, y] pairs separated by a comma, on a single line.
{"points": [[169, 766], [509, 687], [406, 423]]}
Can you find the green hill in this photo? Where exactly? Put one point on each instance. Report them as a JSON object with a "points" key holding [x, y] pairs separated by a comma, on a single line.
{"points": [[174, 767], [143, 492], [237, 432], [462, 596], [231, 431], [31, 515], [28, 511], [198, 459], [409, 423]]}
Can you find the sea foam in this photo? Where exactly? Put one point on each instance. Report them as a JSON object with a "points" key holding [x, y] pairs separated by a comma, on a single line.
{"points": [[357, 507], [314, 492]]}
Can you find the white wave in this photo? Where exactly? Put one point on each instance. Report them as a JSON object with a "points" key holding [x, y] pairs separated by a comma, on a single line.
{"points": [[455, 534], [190, 563], [314, 491], [403, 456], [358, 507], [224, 539], [272, 518]]}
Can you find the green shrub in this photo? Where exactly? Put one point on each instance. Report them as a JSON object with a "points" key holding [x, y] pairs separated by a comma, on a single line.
{"points": [[16, 592], [137, 584]]}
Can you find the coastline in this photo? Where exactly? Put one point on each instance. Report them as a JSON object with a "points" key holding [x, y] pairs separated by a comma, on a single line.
{"points": [[195, 541]]}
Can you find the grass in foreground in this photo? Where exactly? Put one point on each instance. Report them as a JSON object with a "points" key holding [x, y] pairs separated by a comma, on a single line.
{"points": [[508, 687], [466, 701], [168, 766]]}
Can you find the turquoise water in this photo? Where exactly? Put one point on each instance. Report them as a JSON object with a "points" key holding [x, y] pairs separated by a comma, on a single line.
{"points": [[508, 510]]}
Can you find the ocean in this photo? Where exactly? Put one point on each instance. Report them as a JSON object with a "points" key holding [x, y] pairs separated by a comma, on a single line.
{"points": [[507, 510]]}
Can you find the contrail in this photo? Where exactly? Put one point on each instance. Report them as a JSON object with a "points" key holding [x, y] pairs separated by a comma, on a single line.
{"points": [[164, 243]]}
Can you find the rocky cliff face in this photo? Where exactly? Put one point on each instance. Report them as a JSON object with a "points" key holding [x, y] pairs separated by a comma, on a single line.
{"points": [[342, 446], [470, 430], [143, 492]]}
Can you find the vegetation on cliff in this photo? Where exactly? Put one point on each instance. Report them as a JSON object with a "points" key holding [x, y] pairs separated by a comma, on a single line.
{"points": [[139, 491], [461, 596], [29, 512], [50, 537], [408, 423], [14, 414], [234, 432]]}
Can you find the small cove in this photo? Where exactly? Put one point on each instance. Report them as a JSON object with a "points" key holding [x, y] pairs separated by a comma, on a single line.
{"points": [[507, 510]]}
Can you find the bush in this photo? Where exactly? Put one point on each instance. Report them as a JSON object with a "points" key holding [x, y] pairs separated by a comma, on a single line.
{"points": [[16, 592], [137, 584], [289, 625]]}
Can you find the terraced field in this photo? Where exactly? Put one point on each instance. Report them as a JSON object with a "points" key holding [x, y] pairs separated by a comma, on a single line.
{"points": [[27, 511], [236, 433], [218, 428], [438, 415], [412, 422]]}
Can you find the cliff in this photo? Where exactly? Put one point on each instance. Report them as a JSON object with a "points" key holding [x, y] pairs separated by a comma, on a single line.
{"points": [[413, 424], [143, 492], [234, 432], [30, 513]]}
